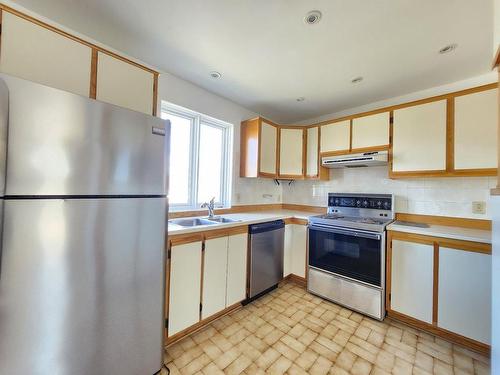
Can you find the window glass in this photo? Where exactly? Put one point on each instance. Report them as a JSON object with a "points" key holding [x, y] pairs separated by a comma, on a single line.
{"points": [[210, 177], [180, 155], [200, 159]]}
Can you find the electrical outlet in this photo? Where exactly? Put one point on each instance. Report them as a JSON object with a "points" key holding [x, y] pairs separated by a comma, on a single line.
{"points": [[479, 207]]}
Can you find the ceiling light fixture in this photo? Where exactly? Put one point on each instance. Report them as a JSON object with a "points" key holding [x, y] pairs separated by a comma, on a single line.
{"points": [[357, 80], [448, 48], [313, 17], [215, 75], [301, 99]]}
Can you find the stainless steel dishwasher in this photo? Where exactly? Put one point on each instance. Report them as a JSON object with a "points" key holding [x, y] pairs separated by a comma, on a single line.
{"points": [[266, 256]]}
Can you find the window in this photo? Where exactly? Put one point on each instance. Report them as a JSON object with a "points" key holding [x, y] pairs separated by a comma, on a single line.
{"points": [[200, 158]]}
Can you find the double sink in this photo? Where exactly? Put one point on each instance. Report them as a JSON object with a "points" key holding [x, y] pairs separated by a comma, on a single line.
{"points": [[196, 221]]}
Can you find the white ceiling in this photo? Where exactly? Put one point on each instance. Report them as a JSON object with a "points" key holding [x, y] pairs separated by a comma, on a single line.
{"points": [[268, 56]]}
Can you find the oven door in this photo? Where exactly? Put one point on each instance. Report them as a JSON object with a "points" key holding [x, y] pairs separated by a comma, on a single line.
{"points": [[354, 254]]}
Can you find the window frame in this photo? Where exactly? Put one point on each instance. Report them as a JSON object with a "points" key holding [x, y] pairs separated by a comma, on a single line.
{"points": [[197, 120]]}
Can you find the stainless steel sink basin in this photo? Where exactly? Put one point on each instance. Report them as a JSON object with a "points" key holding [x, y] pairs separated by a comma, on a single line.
{"points": [[221, 219], [192, 222]]}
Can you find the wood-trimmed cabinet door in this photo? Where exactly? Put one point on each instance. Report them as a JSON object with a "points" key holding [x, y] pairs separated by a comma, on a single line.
{"points": [[412, 270], [291, 160], [124, 84], [336, 137], [268, 142], [476, 131], [312, 152], [464, 293], [215, 260], [298, 250], [236, 268], [287, 250], [419, 138], [185, 287], [371, 132], [32, 52]]}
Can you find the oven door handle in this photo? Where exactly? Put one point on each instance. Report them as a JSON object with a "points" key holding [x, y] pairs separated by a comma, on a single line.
{"points": [[354, 233]]}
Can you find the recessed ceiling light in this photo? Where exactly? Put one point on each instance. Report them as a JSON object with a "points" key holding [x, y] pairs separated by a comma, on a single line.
{"points": [[313, 17], [448, 48], [215, 75], [357, 80], [300, 99]]}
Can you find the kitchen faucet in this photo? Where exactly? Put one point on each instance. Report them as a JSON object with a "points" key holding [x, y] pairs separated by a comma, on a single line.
{"points": [[210, 206]]}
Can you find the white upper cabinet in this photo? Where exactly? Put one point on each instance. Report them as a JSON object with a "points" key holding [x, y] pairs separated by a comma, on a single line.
{"points": [[412, 266], [291, 152], [371, 131], [336, 136], [268, 143], [124, 84], [37, 54], [464, 293], [312, 156], [476, 129], [419, 138]]}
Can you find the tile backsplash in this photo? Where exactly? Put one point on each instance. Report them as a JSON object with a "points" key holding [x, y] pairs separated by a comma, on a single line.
{"points": [[451, 196]]}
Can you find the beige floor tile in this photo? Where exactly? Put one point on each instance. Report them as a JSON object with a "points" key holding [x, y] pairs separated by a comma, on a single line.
{"points": [[345, 360], [307, 359], [280, 366], [267, 358], [238, 365], [211, 369], [321, 367], [290, 331], [361, 367]]}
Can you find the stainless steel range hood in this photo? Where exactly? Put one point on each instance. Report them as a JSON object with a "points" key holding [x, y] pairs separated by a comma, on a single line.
{"points": [[367, 159]]}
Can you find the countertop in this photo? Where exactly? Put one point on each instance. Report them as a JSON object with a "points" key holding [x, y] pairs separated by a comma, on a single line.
{"points": [[456, 233], [245, 218]]}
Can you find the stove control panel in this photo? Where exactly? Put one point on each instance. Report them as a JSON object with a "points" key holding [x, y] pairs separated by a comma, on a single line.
{"points": [[373, 202]]}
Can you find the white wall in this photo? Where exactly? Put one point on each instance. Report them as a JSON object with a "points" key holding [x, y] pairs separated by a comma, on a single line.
{"points": [[180, 92]]}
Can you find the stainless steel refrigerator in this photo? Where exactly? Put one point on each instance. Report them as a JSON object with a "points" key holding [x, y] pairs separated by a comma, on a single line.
{"points": [[84, 223]]}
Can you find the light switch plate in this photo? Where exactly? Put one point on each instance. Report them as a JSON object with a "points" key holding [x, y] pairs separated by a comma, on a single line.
{"points": [[479, 207]]}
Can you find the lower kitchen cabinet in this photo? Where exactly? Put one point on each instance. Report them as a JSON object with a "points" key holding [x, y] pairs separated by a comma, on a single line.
{"points": [[214, 276], [287, 250], [236, 288], [185, 286], [411, 279], [464, 294], [206, 277], [441, 285], [294, 259]]}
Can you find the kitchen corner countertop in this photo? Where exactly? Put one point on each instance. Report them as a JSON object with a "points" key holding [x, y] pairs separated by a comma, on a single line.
{"points": [[244, 218], [456, 233]]}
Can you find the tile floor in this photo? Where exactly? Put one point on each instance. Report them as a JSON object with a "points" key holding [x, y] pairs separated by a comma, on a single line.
{"points": [[293, 332]]}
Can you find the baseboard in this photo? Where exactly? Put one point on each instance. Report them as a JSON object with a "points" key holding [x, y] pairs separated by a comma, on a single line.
{"points": [[201, 324], [302, 281], [443, 333]]}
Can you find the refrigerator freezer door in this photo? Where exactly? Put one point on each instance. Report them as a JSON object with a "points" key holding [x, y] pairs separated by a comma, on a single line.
{"points": [[82, 286], [65, 144], [4, 122]]}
